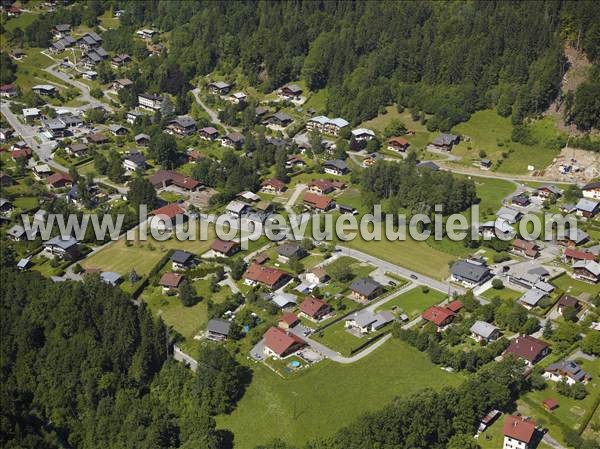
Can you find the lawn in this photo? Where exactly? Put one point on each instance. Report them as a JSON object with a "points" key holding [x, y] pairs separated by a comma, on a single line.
{"points": [[23, 21], [26, 202], [337, 338], [574, 287], [327, 396], [414, 301], [504, 294], [491, 192]]}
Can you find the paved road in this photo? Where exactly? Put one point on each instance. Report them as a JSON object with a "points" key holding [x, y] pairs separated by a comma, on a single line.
{"points": [[552, 442], [214, 117]]}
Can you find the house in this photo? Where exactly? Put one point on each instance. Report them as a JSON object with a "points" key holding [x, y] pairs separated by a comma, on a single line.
{"points": [[181, 126], [218, 329], [281, 343], [165, 178], [150, 101], [548, 191], [550, 404], [445, 142], [398, 144], [440, 316], [89, 41], [483, 331], [233, 140], [5, 205], [260, 111], [525, 248], [76, 149], [238, 98], [287, 321], [31, 114], [208, 133], [321, 186], [63, 247], [591, 190], [272, 186], [194, 156], [518, 433], [120, 61], [171, 281], [469, 273], [532, 297], [61, 30], [18, 233], [365, 289], [182, 260], [118, 130], [587, 270], [529, 278], [97, 139], [267, 276], [134, 161], [225, 248], [365, 321], [8, 90], [166, 216], [317, 202], [527, 348], [219, 87], [22, 152], [283, 300], [314, 308], [6, 133], [289, 251], [111, 278], [142, 140], [237, 208], [59, 180], [132, 116], [587, 208], [335, 167], [18, 53], [572, 255], [24, 263], [280, 119], [567, 371], [567, 301], [45, 89], [54, 127], [89, 75], [5, 179], [146, 33], [41, 171], [372, 159], [520, 201], [326, 125], [290, 92], [509, 214], [362, 134], [294, 161], [122, 83], [317, 275]]}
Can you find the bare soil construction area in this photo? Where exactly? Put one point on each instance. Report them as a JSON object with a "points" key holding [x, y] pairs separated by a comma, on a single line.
{"points": [[584, 166]]}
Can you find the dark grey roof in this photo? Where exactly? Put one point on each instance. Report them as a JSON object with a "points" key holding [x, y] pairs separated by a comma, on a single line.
{"points": [[336, 163], [365, 286], [571, 368], [141, 136], [61, 242], [470, 271], [184, 121], [63, 27], [110, 277], [137, 158], [181, 257], [289, 250], [428, 164], [218, 326], [445, 139], [282, 117]]}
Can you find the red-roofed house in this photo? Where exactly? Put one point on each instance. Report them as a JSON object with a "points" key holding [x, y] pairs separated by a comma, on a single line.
{"points": [[8, 90], [518, 432], [19, 153], [314, 308], [317, 202], [273, 186], [171, 280], [59, 180], [321, 186], [550, 404], [267, 276], [225, 248], [280, 343], [455, 306], [165, 178], [288, 320], [573, 255], [166, 217], [525, 248], [528, 348], [398, 144], [440, 316]]}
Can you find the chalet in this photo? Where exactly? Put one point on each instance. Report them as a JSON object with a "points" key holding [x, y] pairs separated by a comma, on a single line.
{"points": [[485, 164], [146, 33], [572, 255], [21, 153], [567, 301], [225, 248], [89, 41], [122, 83], [272, 186], [62, 44], [335, 167], [118, 130], [288, 251], [398, 144], [365, 321], [167, 216], [314, 308], [219, 87], [134, 161], [132, 116], [45, 89], [469, 273], [318, 203], [280, 119], [13, 11], [294, 161], [63, 247], [326, 125], [566, 371], [365, 289], [156, 49], [97, 139], [61, 30], [497, 228], [317, 275], [208, 133], [530, 277], [237, 208], [284, 300], [111, 278], [120, 61], [238, 98], [24, 263], [287, 321], [218, 329], [165, 178], [527, 348], [194, 156], [440, 316], [54, 128], [260, 111], [532, 297], [280, 343], [233, 140], [573, 237], [587, 208], [5, 205], [6, 134], [41, 171], [548, 191], [8, 90], [59, 180], [150, 101], [171, 281], [31, 114], [89, 75], [520, 201], [290, 92], [142, 140], [518, 433], [362, 134], [587, 270], [509, 215], [181, 126], [445, 142], [483, 331], [18, 233], [94, 57], [266, 276], [321, 186], [525, 248], [591, 190]]}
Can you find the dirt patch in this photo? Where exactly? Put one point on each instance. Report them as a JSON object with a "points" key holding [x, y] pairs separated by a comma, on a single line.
{"points": [[201, 199], [574, 165]]}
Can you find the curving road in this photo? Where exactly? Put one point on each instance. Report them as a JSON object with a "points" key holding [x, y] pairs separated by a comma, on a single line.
{"points": [[214, 117]]}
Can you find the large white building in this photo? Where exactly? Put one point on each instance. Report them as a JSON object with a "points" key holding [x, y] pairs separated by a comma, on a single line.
{"points": [[518, 433]]}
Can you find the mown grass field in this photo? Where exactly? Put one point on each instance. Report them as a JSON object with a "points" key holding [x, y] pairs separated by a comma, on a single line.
{"points": [[574, 287], [327, 396], [414, 301], [504, 294]]}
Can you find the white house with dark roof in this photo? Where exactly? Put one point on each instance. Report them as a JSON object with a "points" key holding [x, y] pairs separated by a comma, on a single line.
{"points": [[469, 273], [587, 208], [483, 331]]}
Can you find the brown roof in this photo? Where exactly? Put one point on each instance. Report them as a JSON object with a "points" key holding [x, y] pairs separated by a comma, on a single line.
{"points": [[59, 177], [279, 185], [437, 315], [97, 138], [223, 246], [550, 403], [573, 253], [398, 141], [323, 185], [168, 176], [171, 280], [280, 341], [317, 201], [289, 318], [311, 306], [260, 258], [567, 300], [455, 306], [170, 210], [320, 272], [265, 275], [519, 428], [526, 347], [21, 152]]}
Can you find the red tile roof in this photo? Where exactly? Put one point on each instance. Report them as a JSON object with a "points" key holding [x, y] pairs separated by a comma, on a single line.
{"points": [[455, 306], [170, 210], [280, 341], [550, 404], [526, 347], [276, 183], [530, 248], [21, 152], [172, 177], [323, 185], [398, 141], [317, 201], [59, 178], [289, 318], [171, 280], [437, 315], [265, 275], [312, 306], [8, 88], [519, 429], [223, 246], [572, 253]]}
